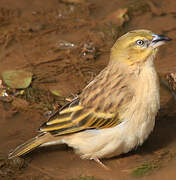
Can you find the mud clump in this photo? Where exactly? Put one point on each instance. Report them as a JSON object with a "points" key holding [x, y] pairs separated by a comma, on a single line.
{"points": [[171, 78], [10, 167]]}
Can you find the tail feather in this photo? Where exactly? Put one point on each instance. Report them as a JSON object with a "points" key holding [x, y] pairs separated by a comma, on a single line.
{"points": [[29, 145]]}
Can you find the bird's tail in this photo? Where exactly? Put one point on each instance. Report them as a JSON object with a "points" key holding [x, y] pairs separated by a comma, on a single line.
{"points": [[30, 145]]}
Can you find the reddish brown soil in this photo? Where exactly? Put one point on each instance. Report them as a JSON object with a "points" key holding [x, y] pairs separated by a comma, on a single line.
{"points": [[31, 36]]}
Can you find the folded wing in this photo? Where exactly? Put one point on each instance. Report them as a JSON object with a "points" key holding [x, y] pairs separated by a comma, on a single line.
{"points": [[75, 118]]}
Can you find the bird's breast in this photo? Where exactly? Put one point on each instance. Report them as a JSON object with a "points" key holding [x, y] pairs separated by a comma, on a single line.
{"points": [[141, 112]]}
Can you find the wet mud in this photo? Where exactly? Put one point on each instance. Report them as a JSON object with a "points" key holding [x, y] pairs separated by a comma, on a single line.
{"points": [[65, 44]]}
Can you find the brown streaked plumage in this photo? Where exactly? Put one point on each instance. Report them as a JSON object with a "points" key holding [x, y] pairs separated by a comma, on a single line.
{"points": [[116, 111]]}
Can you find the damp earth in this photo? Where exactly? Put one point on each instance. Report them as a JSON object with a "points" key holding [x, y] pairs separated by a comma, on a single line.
{"points": [[64, 44]]}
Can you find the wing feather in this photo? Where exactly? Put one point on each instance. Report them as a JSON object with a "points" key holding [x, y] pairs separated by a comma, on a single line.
{"points": [[75, 119], [89, 110]]}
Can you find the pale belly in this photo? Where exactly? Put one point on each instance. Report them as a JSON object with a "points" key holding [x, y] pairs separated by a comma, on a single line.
{"points": [[110, 142]]}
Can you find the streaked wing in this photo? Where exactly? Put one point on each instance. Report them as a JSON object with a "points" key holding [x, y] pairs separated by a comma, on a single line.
{"points": [[97, 107], [75, 118]]}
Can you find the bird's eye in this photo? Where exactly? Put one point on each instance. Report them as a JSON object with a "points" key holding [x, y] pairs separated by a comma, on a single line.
{"points": [[140, 42]]}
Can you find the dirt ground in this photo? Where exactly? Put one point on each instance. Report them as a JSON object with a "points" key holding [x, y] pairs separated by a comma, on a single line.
{"points": [[65, 43]]}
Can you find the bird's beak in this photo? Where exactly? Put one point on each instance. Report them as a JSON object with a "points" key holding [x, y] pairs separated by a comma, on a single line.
{"points": [[159, 40]]}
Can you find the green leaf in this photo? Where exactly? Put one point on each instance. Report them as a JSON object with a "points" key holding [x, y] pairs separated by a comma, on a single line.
{"points": [[56, 92], [18, 79]]}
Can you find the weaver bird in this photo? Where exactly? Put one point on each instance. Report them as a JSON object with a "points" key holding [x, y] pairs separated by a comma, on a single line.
{"points": [[116, 111]]}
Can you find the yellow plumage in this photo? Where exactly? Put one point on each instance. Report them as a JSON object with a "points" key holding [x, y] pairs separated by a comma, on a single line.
{"points": [[116, 111]]}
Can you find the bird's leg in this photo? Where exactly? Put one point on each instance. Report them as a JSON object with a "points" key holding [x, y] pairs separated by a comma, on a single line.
{"points": [[101, 164]]}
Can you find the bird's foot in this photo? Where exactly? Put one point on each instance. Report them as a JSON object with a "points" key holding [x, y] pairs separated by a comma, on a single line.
{"points": [[100, 163]]}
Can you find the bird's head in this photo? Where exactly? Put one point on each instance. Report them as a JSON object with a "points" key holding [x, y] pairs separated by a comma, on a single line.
{"points": [[137, 46]]}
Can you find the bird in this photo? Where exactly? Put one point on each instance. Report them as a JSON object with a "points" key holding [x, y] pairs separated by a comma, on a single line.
{"points": [[116, 111]]}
